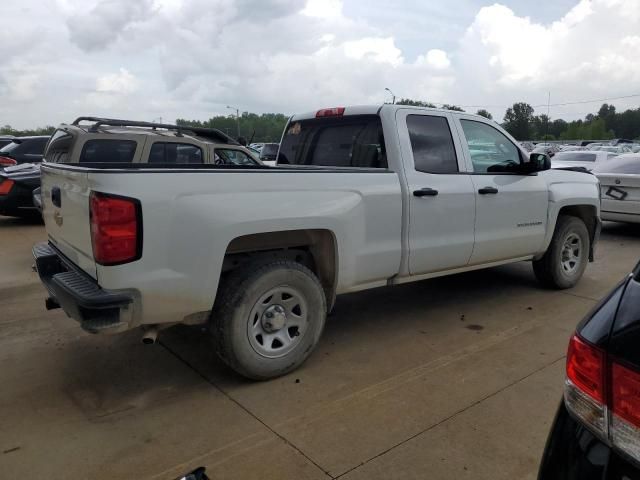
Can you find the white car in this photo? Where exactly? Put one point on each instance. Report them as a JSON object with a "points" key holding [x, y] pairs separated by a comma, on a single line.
{"points": [[620, 188], [363, 197], [586, 159]]}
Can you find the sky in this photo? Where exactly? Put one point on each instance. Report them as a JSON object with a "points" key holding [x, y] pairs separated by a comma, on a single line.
{"points": [[152, 59]]}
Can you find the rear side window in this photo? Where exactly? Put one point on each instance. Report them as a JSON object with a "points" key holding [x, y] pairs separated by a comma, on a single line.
{"points": [[432, 144], [108, 151], [351, 141], [169, 152], [59, 148]]}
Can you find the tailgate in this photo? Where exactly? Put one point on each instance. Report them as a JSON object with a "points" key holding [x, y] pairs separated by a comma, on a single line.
{"points": [[65, 201], [620, 192]]}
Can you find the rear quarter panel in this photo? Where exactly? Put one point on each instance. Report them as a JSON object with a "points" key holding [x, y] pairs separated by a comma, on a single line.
{"points": [[189, 219]]}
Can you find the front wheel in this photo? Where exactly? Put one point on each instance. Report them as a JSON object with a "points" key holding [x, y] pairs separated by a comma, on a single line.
{"points": [[566, 258], [268, 318]]}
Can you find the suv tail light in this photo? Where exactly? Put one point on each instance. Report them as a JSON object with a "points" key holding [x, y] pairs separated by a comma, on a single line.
{"points": [[584, 387], [116, 228], [5, 186], [604, 395], [6, 161], [625, 409]]}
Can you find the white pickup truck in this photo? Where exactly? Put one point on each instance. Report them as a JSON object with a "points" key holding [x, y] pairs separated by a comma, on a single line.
{"points": [[361, 197]]}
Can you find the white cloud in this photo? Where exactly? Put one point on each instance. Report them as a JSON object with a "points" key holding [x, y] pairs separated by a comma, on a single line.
{"points": [[435, 58], [323, 8], [190, 58], [121, 83], [380, 50]]}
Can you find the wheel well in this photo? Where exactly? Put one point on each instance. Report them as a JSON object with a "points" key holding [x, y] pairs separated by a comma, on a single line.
{"points": [[588, 214], [316, 249]]}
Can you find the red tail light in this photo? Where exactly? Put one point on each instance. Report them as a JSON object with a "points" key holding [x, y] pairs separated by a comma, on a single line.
{"points": [[6, 161], [116, 229], [604, 395], [330, 112], [585, 368], [625, 394], [5, 186]]}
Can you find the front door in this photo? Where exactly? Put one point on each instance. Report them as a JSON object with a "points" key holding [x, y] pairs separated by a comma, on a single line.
{"points": [[511, 208], [441, 198]]}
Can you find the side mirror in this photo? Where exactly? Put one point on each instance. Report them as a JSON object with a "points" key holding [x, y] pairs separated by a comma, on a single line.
{"points": [[538, 162]]}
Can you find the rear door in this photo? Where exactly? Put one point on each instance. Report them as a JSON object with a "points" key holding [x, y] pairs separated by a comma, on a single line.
{"points": [[441, 197]]}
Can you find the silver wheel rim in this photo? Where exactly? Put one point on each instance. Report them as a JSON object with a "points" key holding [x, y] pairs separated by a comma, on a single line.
{"points": [[571, 256], [277, 322]]}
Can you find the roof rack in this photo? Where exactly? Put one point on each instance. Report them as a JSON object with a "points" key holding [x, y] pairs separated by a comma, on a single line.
{"points": [[211, 133]]}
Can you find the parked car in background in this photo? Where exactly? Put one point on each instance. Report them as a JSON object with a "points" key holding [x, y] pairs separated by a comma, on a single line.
{"points": [[596, 431], [363, 197], [620, 188], [23, 150], [593, 145], [103, 140], [268, 153], [547, 149], [571, 148], [582, 158], [5, 140], [528, 146], [618, 150], [16, 190], [257, 146]]}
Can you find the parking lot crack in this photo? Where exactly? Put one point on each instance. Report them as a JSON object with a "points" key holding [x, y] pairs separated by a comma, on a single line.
{"points": [[246, 410], [452, 416]]}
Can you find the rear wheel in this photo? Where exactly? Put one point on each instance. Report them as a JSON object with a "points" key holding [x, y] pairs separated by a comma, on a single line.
{"points": [[268, 318], [566, 258]]}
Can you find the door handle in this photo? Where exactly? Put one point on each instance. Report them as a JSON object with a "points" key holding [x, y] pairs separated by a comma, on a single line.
{"points": [[55, 196], [425, 192], [488, 190]]}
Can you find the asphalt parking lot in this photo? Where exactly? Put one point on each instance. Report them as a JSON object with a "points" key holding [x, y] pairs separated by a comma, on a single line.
{"points": [[449, 378]]}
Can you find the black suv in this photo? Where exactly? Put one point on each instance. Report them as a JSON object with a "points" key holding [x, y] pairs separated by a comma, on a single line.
{"points": [[23, 150], [596, 433]]}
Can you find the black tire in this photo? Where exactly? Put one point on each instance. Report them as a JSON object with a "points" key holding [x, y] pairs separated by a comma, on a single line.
{"points": [[549, 269], [235, 308]]}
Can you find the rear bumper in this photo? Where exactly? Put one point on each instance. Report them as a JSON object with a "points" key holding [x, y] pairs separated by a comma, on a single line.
{"points": [[574, 453], [81, 298]]}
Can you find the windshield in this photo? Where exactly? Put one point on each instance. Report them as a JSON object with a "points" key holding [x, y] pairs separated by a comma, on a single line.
{"points": [[349, 141], [575, 157]]}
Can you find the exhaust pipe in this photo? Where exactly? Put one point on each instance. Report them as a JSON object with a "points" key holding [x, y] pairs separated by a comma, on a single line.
{"points": [[150, 336]]}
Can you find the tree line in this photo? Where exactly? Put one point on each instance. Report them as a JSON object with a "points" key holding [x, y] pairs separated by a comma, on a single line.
{"points": [[519, 120], [266, 127]]}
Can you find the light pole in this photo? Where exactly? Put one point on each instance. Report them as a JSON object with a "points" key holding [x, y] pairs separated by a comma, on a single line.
{"points": [[237, 117], [393, 96]]}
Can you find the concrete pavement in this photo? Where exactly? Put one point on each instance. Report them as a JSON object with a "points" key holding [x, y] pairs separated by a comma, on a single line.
{"points": [[457, 377]]}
